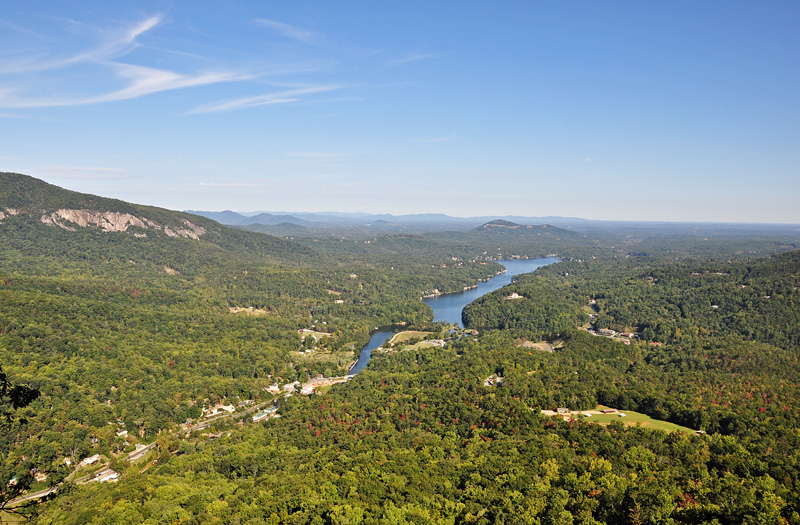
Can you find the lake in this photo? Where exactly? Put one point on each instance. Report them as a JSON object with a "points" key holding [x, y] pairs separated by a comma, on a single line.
{"points": [[448, 307]]}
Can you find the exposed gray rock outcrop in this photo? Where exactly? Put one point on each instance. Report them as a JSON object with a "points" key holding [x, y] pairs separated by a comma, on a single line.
{"points": [[111, 221]]}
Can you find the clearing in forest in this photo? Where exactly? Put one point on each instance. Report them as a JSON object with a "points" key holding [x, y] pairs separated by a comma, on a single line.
{"points": [[626, 417]]}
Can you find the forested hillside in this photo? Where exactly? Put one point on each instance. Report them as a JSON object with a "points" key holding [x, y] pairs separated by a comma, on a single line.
{"points": [[129, 328]]}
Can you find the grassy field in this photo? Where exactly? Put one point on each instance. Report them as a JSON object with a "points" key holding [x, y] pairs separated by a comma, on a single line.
{"points": [[630, 418], [401, 337], [317, 335], [340, 359]]}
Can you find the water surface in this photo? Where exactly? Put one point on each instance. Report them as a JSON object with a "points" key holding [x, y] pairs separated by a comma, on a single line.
{"points": [[448, 307]]}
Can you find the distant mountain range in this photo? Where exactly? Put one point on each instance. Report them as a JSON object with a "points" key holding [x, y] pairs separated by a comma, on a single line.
{"points": [[424, 221], [231, 218]]}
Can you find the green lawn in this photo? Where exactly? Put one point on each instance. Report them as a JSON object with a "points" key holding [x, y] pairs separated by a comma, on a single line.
{"points": [[635, 418], [406, 335], [631, 418]]}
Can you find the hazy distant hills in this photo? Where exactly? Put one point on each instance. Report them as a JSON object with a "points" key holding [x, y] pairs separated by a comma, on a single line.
{"points": [[322, 223], [40, 218], [374, 223], [503, 226], [232, 218]]}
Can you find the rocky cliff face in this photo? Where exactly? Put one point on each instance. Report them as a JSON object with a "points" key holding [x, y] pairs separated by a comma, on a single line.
{"points": [[110, 221], [7, 212]]}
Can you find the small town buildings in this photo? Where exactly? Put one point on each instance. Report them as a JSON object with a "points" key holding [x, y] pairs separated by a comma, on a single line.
{"points": [[270, 412], [218, 409], [91, 460], [107, 476], [562, 410]]}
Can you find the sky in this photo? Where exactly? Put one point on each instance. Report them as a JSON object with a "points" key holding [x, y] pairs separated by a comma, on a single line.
{"points": [[662, 111]]}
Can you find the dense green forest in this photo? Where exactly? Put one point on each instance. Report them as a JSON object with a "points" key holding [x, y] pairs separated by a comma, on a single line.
{"points": [[119, 323]]}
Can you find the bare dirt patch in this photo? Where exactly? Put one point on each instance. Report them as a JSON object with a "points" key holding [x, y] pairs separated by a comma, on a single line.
{"points": [[247, 311], [544, 346]]}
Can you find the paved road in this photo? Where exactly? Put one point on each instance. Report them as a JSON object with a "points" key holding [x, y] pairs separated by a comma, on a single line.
{"points": [[32, 496], [139, 452]]}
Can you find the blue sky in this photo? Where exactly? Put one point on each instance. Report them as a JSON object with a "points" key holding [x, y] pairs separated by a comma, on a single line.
{"points": [[684, 111]]}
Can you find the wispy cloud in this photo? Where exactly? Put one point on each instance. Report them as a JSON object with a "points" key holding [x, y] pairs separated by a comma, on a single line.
{"points": [[410, 57], [142, 81], [298, 33], [115, 43], [138, 80], [82, 172], [280, 97]]}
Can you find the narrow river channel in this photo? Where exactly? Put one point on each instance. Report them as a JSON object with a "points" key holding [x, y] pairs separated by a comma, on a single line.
{"points": [[448, 307]]}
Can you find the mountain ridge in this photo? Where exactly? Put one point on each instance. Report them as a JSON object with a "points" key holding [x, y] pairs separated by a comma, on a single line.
{"points": [[32, 208]]}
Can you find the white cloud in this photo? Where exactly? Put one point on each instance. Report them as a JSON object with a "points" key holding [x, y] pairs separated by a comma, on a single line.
{"points": [[142, 81], [294, 32], [410, 57], [116, 43], [280, 97]]}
